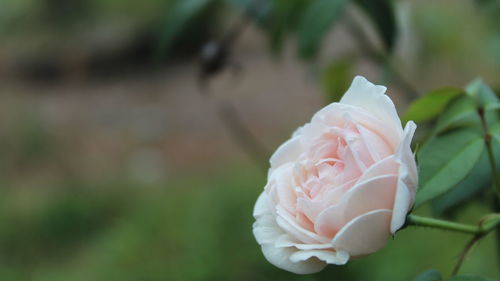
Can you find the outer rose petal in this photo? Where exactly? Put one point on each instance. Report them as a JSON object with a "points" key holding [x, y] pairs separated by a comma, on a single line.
{"points": [[280, 257], [278, 252], [374, 194], [370, 97], [287, 152], [365, 234], [407, 181]]}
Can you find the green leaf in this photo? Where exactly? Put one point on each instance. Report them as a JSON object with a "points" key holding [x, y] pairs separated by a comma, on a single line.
{"points": [[461, 112], [381, 13], [482, 94], [445, 160], [469, 278], [178, 17], [431, 105], [315, 23], [336, 79], [429, 275], [479, 179]]}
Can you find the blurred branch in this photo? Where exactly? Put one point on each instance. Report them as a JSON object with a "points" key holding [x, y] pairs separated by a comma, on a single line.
{"points": [[231, 119], [489, 149], [215, 57], [486, 225], [468, 247], [380, 57]]}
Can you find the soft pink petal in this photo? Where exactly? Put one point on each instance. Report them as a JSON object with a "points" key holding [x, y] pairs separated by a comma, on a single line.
{"points": [[387, 166], [365, 234], [284, 241], [372, 98], [376, 193], [334, 114], [287, 152], [328, 256], [268, 233], [280, 257], [262, 206], [376, 146], [402, 205], [408, 179], [298, 232]]}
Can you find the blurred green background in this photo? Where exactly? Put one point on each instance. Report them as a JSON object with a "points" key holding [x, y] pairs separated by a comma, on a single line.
{"points": [[114, 164]]}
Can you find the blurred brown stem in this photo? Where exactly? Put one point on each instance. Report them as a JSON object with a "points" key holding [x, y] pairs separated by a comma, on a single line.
{"points": [[468, 247], [380, 57], [489, 149], [229, 116]]}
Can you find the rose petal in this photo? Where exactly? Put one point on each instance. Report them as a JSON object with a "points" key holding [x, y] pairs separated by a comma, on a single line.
{"points": [[387, 166], [377, 147], [365, 234], [291, 227], [280, 257], [372, 98], [330, 257], [267, 233], [402, 205], [408, 179], [376, 193], [287, 152], [262, 206]]}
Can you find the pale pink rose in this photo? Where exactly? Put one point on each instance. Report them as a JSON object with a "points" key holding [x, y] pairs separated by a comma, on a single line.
{"points": [[340, 186]]}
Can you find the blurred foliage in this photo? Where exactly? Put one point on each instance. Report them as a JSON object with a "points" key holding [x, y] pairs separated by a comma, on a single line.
{"points": [[457, 163], [444, 161], [197, 227], [429, 275], [431, 104], [453, 162], [336, 78]]}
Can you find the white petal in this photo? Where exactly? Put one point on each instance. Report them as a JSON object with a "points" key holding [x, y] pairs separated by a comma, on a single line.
{"points": [[408, 179], [280, 257], [405, 156], [372, 98], [330, 257], [267, 233], [291, 227], [402, 205], [365, 234], [262, 206], [376, 145], [287, 152], [386, 166], [374, 194]]}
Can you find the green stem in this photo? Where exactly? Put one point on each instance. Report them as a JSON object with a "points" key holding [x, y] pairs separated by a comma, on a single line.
{"points": [[442, 224], [485, 226], [493, 164], [481, 229], [489, 149]]}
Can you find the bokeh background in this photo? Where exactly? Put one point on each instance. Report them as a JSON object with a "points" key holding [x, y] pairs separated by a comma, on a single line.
{"points": [[120, 157]]}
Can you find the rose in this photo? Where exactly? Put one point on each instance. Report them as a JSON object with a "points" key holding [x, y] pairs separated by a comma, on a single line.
{"points": [[340, 186]]}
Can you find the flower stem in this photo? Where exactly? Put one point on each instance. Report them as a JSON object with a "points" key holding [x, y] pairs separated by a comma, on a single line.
{"points": [[485, 226], [481, 229], [442, 224], [489, 149]]}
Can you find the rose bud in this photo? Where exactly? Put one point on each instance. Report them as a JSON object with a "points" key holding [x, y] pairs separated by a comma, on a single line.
{"points": [[340, 186]]}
